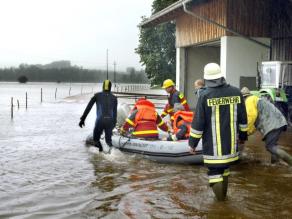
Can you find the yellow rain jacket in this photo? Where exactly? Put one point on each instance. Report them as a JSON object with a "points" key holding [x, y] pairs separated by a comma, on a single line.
{"points": [[251, 103]]}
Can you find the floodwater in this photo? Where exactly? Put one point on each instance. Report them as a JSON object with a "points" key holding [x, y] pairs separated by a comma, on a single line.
{"points": [[46, 171]]}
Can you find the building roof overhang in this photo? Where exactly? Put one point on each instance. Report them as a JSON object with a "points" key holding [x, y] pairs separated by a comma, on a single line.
{"points": [[165, 15]]}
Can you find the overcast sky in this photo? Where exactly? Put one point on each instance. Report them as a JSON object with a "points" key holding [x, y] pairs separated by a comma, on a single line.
{"points": [[42, 31]]}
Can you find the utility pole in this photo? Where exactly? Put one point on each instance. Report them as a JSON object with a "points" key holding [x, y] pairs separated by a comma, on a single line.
{"points": [[115, 64], [107, 64]]}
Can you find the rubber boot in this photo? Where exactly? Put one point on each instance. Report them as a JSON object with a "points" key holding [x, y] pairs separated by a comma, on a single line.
{"points": [[274, 159], [225, 185], [284, 156], [218, 190], [110, 144]]}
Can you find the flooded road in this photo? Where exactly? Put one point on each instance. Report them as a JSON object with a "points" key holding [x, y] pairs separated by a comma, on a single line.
{"points": [[46, 171]]}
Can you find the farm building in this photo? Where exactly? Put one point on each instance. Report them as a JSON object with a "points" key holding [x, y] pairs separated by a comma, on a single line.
{"points": [[237, 34]]}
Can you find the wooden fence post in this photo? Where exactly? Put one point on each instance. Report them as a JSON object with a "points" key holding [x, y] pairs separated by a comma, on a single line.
{"points": [[25, 100], [11, 107], [56, 93]]}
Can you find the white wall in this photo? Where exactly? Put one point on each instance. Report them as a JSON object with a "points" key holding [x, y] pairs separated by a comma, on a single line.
{"points": [[239, 57], [197, 58], [180, 68]]}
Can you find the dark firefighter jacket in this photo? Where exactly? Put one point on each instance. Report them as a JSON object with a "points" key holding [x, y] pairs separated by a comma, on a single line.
{"points": [[220, 120], [106, 107]]}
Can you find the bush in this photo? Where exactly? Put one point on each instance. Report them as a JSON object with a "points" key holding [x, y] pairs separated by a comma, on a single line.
{"points": [[22, 79]]}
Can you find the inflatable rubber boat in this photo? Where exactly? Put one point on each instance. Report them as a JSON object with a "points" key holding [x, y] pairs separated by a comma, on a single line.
{"points": [[156, 150]]}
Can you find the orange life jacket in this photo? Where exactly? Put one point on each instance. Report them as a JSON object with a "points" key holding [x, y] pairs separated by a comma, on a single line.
{"points": [[182, 117], [145, 119], [146, 111]]}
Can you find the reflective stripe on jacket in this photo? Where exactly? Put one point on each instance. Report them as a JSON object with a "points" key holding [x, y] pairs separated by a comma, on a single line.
{"points": [[173, 98], [145, 120], [220, 120]]}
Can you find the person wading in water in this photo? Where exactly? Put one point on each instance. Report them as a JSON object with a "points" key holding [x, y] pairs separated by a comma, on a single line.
{"points": [[106, 114]]}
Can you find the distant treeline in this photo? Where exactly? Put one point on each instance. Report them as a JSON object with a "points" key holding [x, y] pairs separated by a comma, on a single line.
{"points": [[34, 73]]}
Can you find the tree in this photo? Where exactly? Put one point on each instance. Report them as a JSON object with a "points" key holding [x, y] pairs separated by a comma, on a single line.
{"points": [[22, 79], [157, 47]]}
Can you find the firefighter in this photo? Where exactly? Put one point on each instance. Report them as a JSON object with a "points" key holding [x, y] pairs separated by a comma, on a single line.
{"points": [[174, 97], [144, 121], [106, 114], [220, 120], [269, 121]]}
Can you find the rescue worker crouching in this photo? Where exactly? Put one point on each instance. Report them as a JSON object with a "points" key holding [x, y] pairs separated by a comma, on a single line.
{"points": [[174, 97], [106, 114], [144, 120], [269, 121], [181, 124], [220, 121]]}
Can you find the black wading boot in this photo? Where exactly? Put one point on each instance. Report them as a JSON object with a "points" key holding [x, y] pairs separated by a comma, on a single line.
{"points": [[218, 189], [99, 146], [225, 186], [274, 159]]}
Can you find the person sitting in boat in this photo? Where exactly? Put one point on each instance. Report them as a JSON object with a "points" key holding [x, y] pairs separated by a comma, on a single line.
{"points": [[181, 124], [144, 120], [174, 97]]}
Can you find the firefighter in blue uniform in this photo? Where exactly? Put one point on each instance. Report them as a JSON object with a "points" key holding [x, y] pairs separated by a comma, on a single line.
{"points": [[174, 97], [106, 114], [221, 122]]}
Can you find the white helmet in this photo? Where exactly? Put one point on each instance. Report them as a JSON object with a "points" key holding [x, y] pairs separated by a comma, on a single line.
{"points": [[122, 113], [212, 71], [245, 92]]}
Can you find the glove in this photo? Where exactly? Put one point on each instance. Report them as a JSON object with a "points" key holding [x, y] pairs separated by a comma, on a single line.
{"points": [[81, 123], [123, 132], [120, 130]]}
